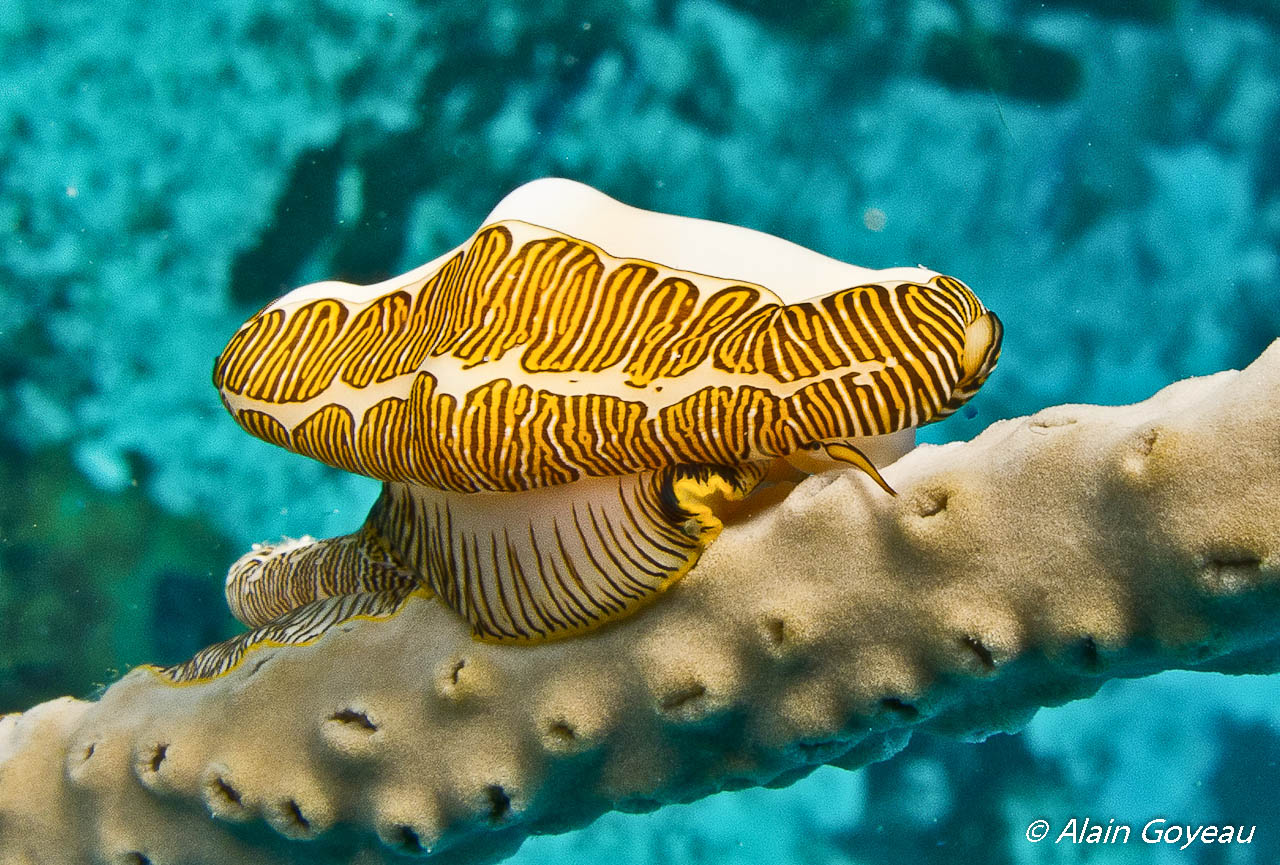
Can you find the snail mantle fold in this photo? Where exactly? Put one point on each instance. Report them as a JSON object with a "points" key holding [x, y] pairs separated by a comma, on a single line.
{"points": [[1018, 570]]}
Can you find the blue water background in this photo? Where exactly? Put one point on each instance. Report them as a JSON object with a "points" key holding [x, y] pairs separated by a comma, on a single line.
{"points": [[1106, 175]]}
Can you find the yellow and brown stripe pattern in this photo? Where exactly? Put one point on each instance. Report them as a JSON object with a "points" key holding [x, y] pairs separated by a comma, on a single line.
{"points": [[530, 358], [298, 627], [272, 579], [566, 558]]}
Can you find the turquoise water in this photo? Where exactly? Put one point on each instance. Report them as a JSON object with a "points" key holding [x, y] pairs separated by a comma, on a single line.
{"points": [[1105, 175]]}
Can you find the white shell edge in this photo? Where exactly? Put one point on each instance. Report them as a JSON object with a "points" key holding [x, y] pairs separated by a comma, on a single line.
{"points": [[718, 249]]}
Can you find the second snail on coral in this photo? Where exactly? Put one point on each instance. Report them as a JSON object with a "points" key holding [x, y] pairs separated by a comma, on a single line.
{"points": [[563, 407]]}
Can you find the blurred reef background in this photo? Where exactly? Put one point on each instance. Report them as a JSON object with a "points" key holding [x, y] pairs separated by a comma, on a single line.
{"points": [[1105, 174]]}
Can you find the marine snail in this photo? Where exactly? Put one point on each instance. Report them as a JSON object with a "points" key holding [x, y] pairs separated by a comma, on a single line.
{"points": [[563, 407]]}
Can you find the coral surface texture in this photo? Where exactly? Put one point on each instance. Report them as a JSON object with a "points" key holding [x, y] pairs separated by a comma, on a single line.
{"points": [[1019, 570]]}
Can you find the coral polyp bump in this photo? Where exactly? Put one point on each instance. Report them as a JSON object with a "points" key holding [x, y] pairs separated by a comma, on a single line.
{"points": [[564, 408]]}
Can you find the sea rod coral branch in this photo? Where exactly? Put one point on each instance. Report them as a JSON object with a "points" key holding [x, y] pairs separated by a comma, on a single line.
{"points": [[1021, 569]]}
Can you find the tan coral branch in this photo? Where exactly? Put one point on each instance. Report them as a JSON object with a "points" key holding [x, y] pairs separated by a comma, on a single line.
{"points": [[1019, 570]]}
